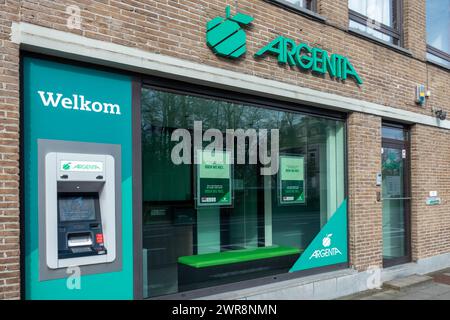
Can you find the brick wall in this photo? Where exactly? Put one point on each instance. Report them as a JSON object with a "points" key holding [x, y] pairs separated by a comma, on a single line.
{"points": [[336, 12], [177, 28], [414, 25], [9, 155], [430, 168], [364, 211]]}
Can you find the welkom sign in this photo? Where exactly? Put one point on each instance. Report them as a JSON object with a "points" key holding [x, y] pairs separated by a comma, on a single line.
{"points": [[226, 37]]}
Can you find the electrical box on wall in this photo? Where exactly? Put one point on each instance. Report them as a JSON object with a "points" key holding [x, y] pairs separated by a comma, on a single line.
{"points": [[420, 94]]}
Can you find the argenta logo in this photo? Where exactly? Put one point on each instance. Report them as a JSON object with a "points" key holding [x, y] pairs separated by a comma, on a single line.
{"points": [[326, 251], [225, 35], [77, 102], [226, 38], [82, 166], [86, 167], [326, 242], [66, 166]]}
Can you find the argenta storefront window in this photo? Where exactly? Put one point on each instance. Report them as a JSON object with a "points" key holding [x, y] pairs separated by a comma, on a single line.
{"points": [[276, 204]]}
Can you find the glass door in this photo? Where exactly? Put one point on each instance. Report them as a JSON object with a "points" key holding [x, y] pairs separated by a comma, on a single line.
{"points": [[395, 195]]}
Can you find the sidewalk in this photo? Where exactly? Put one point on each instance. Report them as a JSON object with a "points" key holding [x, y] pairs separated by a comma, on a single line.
{"points": [[437, 287]]}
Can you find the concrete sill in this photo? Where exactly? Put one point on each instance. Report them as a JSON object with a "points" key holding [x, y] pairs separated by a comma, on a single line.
{"points": [[373, 39], [437, 64]]}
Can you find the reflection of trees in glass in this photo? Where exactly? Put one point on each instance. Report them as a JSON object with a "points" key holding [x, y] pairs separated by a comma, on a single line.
{"points": [[391, 164], [162, 112]]}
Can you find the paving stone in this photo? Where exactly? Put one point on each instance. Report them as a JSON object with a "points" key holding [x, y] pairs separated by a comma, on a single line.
{"points": [[414, 287], [436, 289], [402, 283], [415, 296], [445, 296]]}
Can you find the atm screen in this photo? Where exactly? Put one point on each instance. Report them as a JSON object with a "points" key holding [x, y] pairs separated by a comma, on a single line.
{"points": [[77, 208]]}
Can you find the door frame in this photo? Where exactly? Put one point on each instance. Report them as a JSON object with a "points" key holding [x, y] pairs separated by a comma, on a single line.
{"points": [[402, 144]]}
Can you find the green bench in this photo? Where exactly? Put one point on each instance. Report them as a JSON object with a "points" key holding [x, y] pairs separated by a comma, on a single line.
{"points": [[221, 267]]}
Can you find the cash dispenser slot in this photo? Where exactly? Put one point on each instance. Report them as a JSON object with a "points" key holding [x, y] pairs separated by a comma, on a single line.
{"points": [[79, 240]]}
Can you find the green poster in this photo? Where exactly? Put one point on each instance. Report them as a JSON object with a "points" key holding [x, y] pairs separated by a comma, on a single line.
{"points": [[292, 180], [214, 178]]}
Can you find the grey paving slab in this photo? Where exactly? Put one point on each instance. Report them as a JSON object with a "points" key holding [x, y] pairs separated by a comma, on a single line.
{"points": [[405, 282], [415, 287], [435, 290], [414, 296], [385, 295], [445, 296]]}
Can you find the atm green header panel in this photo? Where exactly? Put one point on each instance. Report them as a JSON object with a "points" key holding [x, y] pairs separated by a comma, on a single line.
{"points": [[72, 105]]}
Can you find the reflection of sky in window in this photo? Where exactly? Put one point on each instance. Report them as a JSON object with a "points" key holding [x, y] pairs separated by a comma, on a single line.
{"points": [[433, 58], [370, 31], [298, 3], [378, 10], [438, 24]]}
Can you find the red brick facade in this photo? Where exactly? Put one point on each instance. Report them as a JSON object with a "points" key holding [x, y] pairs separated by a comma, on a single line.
{"points": [[9, 155], [177, 28]]}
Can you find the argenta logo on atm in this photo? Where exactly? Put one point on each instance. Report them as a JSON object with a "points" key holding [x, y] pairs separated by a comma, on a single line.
{"points": [[226, 38], [78, 103], [82, 166]]}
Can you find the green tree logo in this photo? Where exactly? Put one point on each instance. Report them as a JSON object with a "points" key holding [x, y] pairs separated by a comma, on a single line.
{"points": [[225, 36]]}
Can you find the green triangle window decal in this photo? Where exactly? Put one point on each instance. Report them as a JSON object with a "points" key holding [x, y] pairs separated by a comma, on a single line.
{"points": [[330, 244]]}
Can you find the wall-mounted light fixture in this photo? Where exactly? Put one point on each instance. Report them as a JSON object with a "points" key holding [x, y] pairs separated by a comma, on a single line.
{"points": [[439, 113]]}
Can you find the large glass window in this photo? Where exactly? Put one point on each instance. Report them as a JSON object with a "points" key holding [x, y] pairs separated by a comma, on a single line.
{"points": [[378, 18], [438, 31], [271, 218]]}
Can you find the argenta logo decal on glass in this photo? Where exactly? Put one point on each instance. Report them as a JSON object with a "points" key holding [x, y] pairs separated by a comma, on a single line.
{"points": [[329, 246], [226, 38]]}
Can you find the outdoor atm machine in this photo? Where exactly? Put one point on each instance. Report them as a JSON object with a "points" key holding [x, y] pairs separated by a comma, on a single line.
{"points": [[80, 213]]}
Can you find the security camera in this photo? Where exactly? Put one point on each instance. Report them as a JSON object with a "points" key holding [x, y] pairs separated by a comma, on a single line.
{"points": [[441, 114]]}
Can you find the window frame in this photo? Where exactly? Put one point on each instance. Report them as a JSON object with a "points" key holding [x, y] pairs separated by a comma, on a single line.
{"points": [[309, 13], [438, 53], [291, 5], [396, 32], [204, 91], [435, 51]]}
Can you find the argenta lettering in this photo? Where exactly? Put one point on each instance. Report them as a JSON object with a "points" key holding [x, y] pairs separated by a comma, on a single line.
{"points": [[77, 102], [322, 253], [310, 58], [86, 167]]}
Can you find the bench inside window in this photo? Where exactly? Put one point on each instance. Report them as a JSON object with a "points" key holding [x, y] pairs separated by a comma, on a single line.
{"points": [[208, 269]]}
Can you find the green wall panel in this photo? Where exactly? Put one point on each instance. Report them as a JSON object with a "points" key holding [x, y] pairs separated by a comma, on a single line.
{"points": [[58, 123]]}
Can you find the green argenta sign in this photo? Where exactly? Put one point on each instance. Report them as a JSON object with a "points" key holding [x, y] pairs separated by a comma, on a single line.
{"points": [[226, 38], [225, 35], [310, 58]]}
